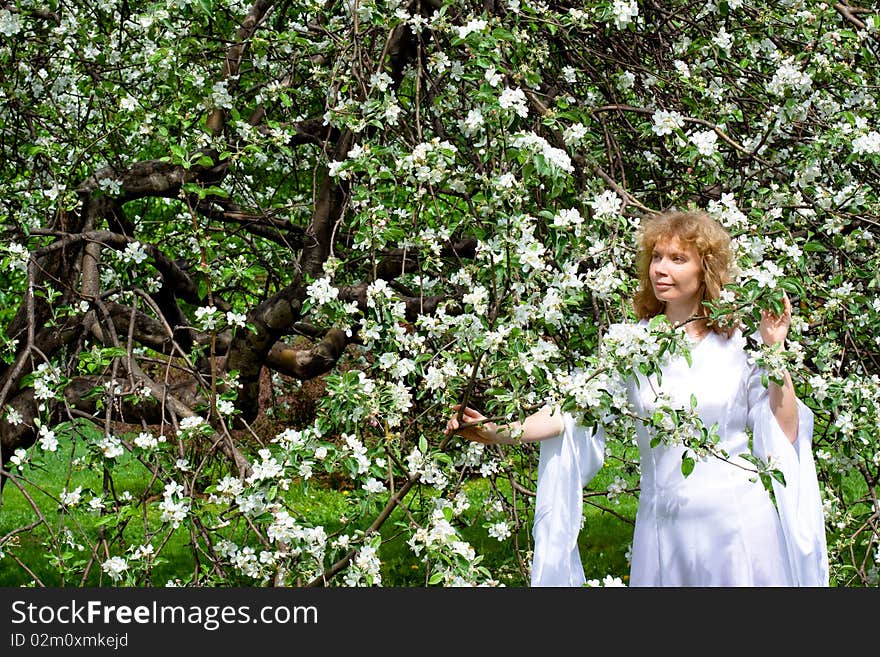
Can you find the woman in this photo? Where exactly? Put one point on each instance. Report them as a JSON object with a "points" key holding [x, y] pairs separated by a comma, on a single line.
{"points": [[717, 526]]}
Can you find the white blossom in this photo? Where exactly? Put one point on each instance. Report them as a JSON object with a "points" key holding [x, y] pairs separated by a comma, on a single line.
{"points": [[71, 498], [868, 144], [115, 567], [514, 99], [48, 441], [624, 12], [475, 25], [10, 24], [705, 141], [666, 123]]}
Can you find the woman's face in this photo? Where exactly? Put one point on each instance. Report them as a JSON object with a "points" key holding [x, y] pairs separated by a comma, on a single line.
{"points": [[676, 273]]}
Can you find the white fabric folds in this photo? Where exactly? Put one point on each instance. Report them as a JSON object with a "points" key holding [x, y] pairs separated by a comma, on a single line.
{"points": [[567, 463], [798, 501]]}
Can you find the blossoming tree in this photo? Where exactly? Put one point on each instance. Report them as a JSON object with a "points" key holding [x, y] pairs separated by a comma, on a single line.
{"points": [[210, 206]]}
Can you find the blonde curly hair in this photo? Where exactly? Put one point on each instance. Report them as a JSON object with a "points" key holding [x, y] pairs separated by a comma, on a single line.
{"points": [[696, 229]]}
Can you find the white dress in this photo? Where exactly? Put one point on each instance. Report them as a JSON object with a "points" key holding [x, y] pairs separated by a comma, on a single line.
{"points": [[715, 527]]}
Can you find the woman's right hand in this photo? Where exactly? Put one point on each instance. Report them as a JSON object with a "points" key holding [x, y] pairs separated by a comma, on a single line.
{"points": [[484, 432]]}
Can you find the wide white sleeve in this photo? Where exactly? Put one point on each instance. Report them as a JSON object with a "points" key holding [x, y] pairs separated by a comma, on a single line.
{"points": [[567, 463], [798, 501]]}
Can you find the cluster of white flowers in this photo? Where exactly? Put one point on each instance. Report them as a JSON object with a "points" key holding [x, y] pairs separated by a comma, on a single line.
{"points": [[429, 161], [542, 352], [143, 552], [227, 489], [207, 317], [46, 380], [683, 69], [630, 343], [365, 569], [789, 76], [474, 25], [514, 99], [19, 256], [220, 95], [134, 253], [268, 467], [567, 217], [10, 24], [96, 504], [48, 441], [705, 141], [574, 134], [174, 505], [377, 292], [615, 489], [606, 204], [499, 530], [115, 567], [470, 456], [767, 274], [440, 534], [725, 210], [436, 378], [429, 471], [399, 400], [19, 458], [473, 122], [666, 123], [252, 503], [374, 486], [723, 39], [248, 562], [356, 449], [110, 446], [868, 144], [624, 12], [191, 422], [396, 364], [605, 280], [128, 103], [583, 386], [531, 142], [530, 252], [625, 80], [70, 498], [110, 186], [607, 581], [478, 297], [13, 416], [297, 538], [236, 319], [291, 439], [493, 77], [148, 441]]}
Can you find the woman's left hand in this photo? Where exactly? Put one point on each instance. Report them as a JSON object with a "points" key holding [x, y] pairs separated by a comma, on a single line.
{"points": [[774, 328]]}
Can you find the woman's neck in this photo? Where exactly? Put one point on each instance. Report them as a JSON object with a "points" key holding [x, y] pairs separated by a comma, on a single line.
{"points": [[689, 317]]}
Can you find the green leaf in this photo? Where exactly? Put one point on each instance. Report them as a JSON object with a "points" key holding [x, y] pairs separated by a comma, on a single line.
{"points": [[687, 465], [778, 476]]}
